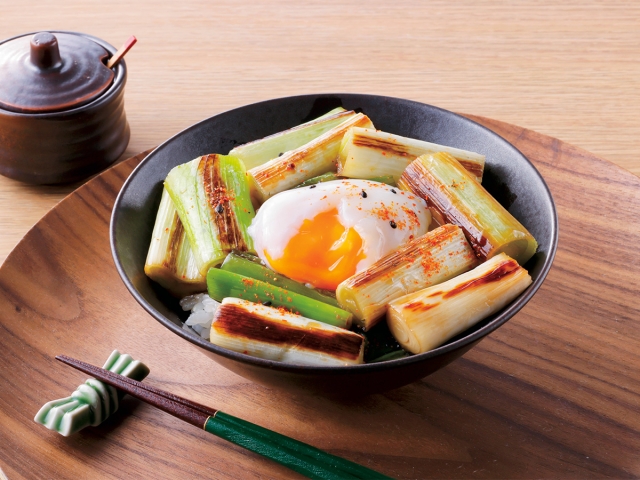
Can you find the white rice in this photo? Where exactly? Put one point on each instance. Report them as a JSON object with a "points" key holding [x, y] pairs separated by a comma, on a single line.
{"points": [[202, 308]]}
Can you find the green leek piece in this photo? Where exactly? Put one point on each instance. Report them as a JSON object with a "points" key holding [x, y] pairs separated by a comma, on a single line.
{"points": [[395, 355], [212, 198], [261, 151], [170, 261], [242, 265], [328, 177], [181, 185], [222, 284], [325, 177], [93, 401], [388, 179], [458, 198], [328, 114]]}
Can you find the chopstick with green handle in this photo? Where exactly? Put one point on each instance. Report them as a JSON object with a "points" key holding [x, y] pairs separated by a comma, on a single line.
{"points": [[298, 456]]}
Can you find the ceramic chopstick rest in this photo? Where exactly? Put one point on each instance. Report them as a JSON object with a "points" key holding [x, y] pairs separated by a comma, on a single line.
{"points": [[93, 401]]}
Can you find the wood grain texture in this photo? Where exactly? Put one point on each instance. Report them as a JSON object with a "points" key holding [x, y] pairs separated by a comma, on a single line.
{"points": [[567, 69], [555, 393]]}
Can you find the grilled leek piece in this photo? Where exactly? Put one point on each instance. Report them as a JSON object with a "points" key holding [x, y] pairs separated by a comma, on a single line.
{"points": [[366, 153], [250, 266], [222, 284], [170, 261], [212, 198], [273, 334], [426, 319], [308, 161], [261, 151], [456, 197], [430, 259]]}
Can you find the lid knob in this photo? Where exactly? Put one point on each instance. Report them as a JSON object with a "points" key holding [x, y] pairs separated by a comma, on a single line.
{"points": [[45, 53]]}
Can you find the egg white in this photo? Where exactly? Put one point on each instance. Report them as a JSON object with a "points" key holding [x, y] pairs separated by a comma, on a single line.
{"points": [[370, 215]]}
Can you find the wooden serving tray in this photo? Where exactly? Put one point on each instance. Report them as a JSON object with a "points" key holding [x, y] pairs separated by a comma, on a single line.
{"points": [[553, 393]]}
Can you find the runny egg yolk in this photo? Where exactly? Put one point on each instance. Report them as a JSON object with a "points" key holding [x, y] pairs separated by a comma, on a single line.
{"points": [[322, 252]]}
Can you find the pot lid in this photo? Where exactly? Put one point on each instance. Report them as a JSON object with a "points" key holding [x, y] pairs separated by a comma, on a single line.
{"points": [[49, 73]]}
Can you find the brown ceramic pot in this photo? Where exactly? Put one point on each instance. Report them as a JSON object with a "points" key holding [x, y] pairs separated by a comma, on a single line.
{"points": [[45, 141]]}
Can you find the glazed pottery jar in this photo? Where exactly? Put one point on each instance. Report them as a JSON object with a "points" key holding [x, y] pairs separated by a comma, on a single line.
{"points": [[61, 109]]}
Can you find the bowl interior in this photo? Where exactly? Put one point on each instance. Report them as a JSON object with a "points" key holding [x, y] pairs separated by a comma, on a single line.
{"points": [[509, 176]]}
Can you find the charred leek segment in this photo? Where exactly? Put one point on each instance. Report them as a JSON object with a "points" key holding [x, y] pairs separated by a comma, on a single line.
{"points": [[170, 261], [222, 284], [430, 259], [212, 198], [366, 153], [261, 151], [226, 193], [457, 198], [181, 186], [270, 333], [243, 265], [424, 320], [308, 161]]}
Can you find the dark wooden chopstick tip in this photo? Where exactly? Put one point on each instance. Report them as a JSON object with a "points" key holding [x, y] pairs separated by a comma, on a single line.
{"points": [[187, 410]]}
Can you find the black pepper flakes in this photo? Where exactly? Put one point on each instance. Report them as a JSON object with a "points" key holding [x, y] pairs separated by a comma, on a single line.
{"points": [[393, 191], [219, 209], [363, 194], [313, 186], [267, 303], [393, 224], [280, 154]]}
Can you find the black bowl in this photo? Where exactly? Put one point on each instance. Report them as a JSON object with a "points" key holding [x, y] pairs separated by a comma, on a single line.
{"points": [[509, 176]]}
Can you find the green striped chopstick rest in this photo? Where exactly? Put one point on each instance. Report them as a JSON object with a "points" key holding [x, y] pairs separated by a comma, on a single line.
{"points": [[298, 456]]}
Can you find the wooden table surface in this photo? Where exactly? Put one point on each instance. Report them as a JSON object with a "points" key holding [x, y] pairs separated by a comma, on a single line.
{"points": [[570, 72]]}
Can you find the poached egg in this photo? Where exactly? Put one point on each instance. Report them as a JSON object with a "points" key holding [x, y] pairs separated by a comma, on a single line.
{"points": [[324, 233]]}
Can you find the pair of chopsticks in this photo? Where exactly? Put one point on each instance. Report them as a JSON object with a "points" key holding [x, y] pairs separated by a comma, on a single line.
{"points": [[298, 456]]}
